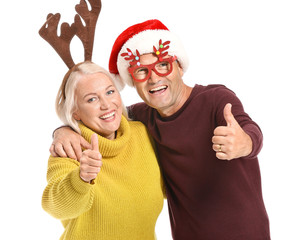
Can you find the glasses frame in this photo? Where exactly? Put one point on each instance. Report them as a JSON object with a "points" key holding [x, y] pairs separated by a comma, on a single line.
{"points": [[151, 67]]}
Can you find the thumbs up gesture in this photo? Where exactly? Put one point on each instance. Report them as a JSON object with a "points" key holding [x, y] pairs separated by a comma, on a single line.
{"points": [[90, 161], [231, 141]]}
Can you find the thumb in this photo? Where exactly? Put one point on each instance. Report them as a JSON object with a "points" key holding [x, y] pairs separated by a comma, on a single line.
{"points": [[94, 142], [229, 118]]}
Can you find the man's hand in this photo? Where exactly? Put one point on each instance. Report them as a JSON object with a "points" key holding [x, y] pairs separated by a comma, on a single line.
{"points": [[90, 162], [67, 143], [231, 141]]}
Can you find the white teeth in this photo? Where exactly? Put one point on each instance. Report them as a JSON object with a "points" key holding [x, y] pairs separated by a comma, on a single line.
{"points": [[158, 88], [108, 115]]}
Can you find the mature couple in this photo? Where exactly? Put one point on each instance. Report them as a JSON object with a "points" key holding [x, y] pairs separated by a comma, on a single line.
{"points": [[206, 148]]}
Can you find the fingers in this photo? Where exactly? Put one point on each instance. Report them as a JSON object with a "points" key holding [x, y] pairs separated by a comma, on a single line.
{"points": [[88, 172], [223, 131], [228, 116], [94, 163], [58, 150], [66, 151], [222, 142], [218, 148], [222, 156], [226, 139], [221, 152], [95, 155], [77, 151], [90, 162], [84, 143], [223, 147], [69, 151], [94, 142], [219, 140], [88, 177], [66, 143], [90, 165], [88, 169], [52, 151]]}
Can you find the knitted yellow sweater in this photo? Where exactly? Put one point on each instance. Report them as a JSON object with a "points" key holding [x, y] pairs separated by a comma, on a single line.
{"points": [[126, 198]]}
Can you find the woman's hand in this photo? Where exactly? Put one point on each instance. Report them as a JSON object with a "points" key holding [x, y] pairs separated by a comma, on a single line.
{"points": [[91, 161]]}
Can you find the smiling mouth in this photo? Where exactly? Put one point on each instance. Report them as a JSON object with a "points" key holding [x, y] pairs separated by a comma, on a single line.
{"points": [[108, 115], [158, 89]]}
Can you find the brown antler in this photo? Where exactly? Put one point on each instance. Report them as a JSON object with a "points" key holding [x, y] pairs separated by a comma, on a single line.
{"points": [[61, 43], [86, 34]]}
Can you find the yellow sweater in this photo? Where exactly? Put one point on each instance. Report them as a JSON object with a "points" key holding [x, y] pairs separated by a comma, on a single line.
{"points": [[126, 198]]}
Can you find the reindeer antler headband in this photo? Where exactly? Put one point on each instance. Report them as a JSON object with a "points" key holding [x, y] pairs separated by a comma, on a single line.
{"points": [[86, 33]]}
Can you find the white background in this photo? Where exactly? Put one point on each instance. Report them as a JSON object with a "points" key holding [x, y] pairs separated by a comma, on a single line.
{"points": [[252, 47]]}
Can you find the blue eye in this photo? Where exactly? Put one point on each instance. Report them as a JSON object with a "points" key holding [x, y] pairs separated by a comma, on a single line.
{"points": [[92, 100], [110, 92]]}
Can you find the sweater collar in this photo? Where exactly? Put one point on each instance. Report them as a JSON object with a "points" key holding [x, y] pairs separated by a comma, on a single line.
{"points": [[109, 148], [183, 107]]}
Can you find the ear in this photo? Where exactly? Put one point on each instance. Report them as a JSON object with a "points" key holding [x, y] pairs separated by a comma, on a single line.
{"points": [[133, 83], [179, 68], [76, 116]]}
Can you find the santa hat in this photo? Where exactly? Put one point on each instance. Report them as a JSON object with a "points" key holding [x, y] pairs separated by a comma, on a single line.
{"points": [[143, 37]]}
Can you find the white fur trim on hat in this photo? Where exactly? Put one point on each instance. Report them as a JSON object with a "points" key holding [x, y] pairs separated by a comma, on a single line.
{"points": [[144, 42]]}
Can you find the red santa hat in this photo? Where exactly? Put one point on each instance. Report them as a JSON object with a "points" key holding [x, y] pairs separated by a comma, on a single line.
{"points": [[142, 37]]}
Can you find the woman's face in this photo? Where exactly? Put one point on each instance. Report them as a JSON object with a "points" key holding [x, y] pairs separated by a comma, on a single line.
{"points": [[99, 105]]}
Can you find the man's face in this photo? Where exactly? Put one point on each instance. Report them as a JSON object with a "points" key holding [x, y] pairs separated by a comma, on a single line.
{"points": [[161, 93]]}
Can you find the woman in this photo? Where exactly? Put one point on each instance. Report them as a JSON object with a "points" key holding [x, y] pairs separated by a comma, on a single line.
{"points": [[115, 190]]}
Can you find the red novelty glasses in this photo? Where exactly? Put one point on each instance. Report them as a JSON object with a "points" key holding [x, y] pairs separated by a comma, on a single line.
{"points": [[162, 67]]}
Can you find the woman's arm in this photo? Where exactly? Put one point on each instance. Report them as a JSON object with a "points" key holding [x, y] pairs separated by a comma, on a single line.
{"points": [[66, 196]]}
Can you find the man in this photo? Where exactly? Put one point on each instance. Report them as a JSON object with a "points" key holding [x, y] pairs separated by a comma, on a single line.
{"points": [[195, 130]]}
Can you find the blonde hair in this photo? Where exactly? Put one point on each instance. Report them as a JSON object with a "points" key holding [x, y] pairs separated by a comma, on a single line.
{"points": [[65, 104]]}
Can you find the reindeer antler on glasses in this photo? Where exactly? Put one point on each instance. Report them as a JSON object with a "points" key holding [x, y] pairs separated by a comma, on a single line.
{"points": [[86, 33]]}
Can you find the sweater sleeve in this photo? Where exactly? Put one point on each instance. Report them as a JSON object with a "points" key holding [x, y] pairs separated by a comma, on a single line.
{"points": [[139, 112], [66, 196], [224, 96]]}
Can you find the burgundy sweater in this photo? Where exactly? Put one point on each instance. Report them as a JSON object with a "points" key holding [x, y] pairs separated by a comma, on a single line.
{"points": [[208, 198]]}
